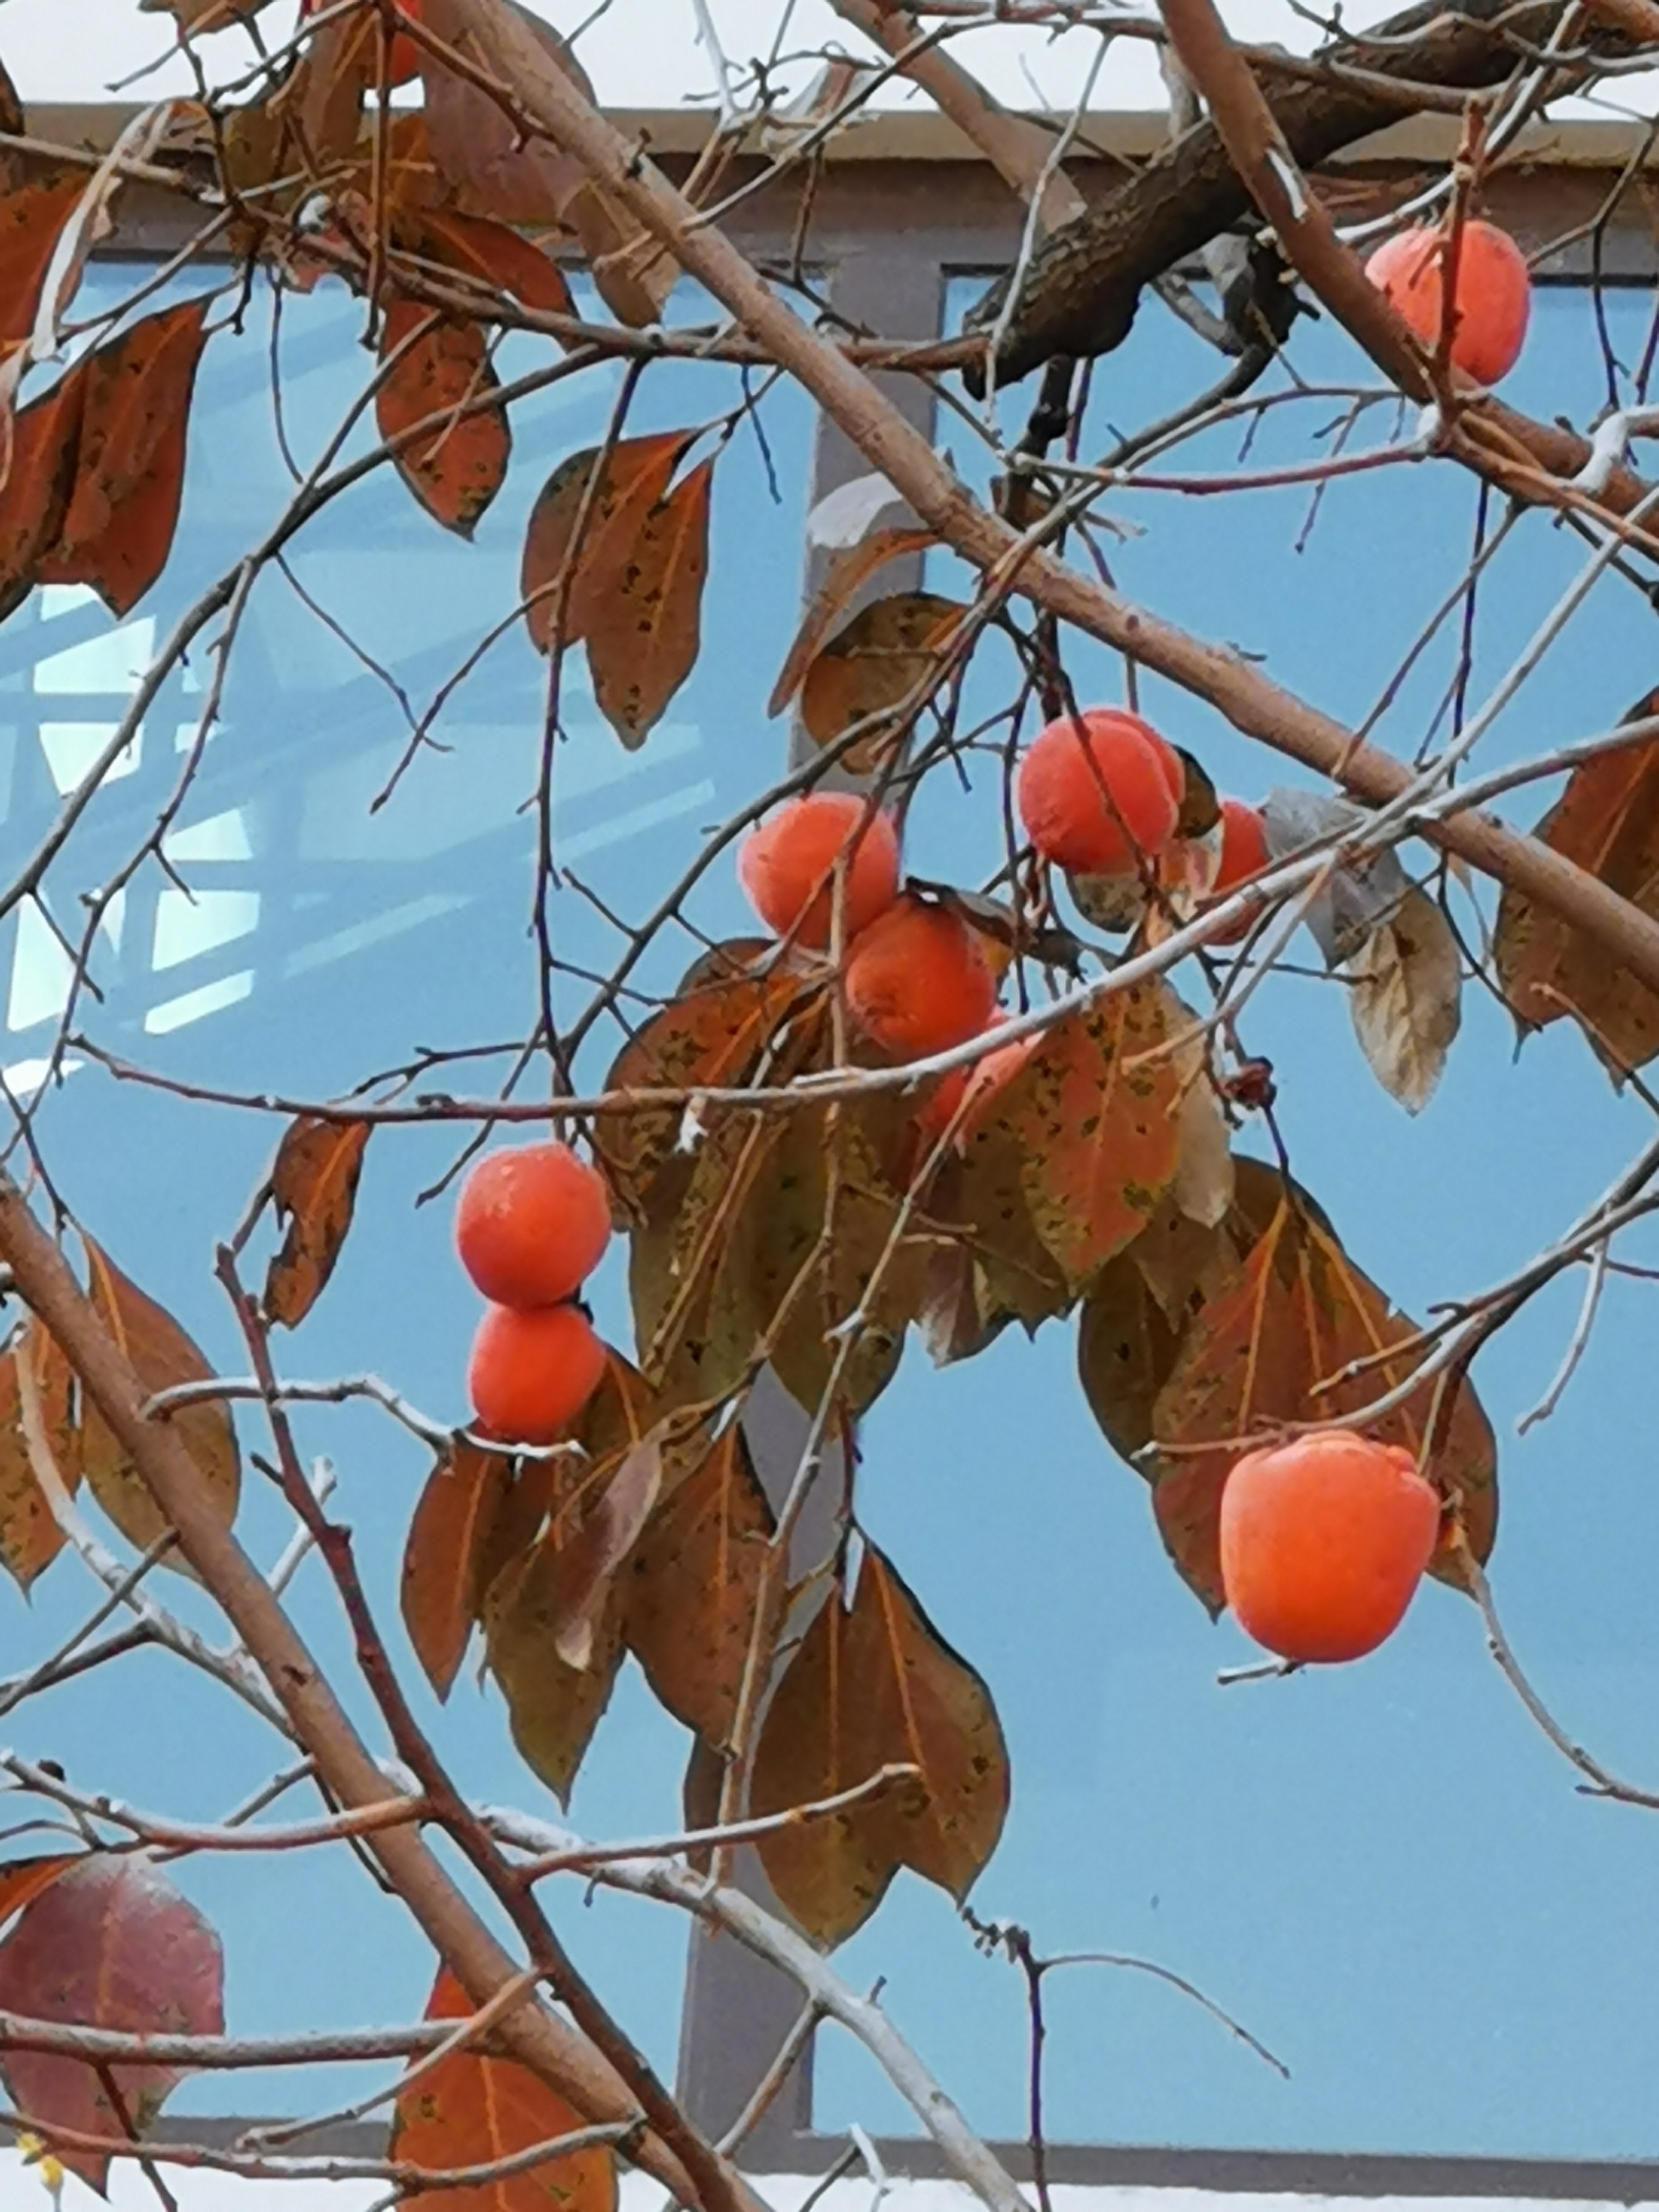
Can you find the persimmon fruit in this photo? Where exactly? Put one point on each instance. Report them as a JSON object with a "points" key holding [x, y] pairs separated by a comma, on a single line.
{"points": [[787, 866], [1244, 854], [533, 1370], [1100, 793], [1493, 299], [532, 1224], [404, 62], [1323, 1542], [918, 981]]}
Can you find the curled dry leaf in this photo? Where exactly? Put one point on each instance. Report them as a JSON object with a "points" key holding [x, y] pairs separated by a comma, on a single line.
{"points": [[643, 633], [1608, 820], [469, 2111], [847, 574], [448, 1556], [1202, 1187], [890, 649], [689, 1592], [583, 529], [313, 1186], [161, 1355], [111, 1944], [1267, 1348], [846, 516], [1406, 998], [30, 1538], [1356, 896], [918, 1704], [436, 366]]}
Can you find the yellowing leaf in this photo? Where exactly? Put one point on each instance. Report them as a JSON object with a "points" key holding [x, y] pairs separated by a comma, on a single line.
{"points": [[470, 2112], [314, 1187], [887, 650], [161, 1356], [1406, 998], [583, 527], [1608, 820], [447, 1554], [875, 1685], [643, 632], [456, 468]]}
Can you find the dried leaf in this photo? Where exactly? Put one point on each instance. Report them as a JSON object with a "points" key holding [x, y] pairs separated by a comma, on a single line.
{"points": [[111, 1944], [1204, 1181], [1406, 998], [35, 497], [1086, 1136], [887, 650], [30, 1539], [1358, 895], [161, 1355], [644, 633], [690, 1593], [446, 1559], [847, 515], [872, 1686], [553, 1707], [456, 469], [1608, 820], [469, 2111], [1290, 1317], [321, 103], [632, 478], [502, 257], [32, 216], [587, 1564], [849, 571], [314, 1188], [22, 1881]]}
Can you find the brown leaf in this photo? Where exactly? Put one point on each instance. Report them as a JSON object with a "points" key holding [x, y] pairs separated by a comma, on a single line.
{"points": [[161, 1355], [35, 496], [1608, 820], [456, 468], [123, 513], [314, 1188], [321, 103], [712, 1033], [1291, 1314], [644, 633], [689, 1592], [883, 654], [32, 218], [469, 2111], [849, 570], [110, 1944], [447, 1558], [30, 1539], [632, 478], [553, 1707], [1086, 1135], [874, 1686], [1406, 998], [22, 1881], [496, 255], [588, 1563]]}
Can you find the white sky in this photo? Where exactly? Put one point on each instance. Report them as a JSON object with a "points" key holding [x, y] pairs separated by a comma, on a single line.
{"points": [[639, 52]]}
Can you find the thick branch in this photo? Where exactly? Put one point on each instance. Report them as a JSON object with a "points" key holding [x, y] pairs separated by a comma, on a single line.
{"points": [[538, 2038], [1082, 286], [1237, 688]]}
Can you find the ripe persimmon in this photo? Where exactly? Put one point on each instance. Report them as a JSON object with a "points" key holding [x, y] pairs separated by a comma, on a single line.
{"points": [[1493, 299], [787, 866], [532, 1224], [1244, 854], [533, 1370], [1099, 793], [404, 63], [918, 981], [1323, 1542]]}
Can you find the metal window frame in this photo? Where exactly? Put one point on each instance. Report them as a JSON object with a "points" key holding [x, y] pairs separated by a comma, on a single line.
{"points": [[900, 206]]}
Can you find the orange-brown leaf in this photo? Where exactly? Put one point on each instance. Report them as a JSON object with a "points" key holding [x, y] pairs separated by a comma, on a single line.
{"points": [[579, 538], [846, 574], [123, 513], [1266, 1350], [876, 1686], [161, 1356], [470, 2112], [314, 1188], [553, 1707], [887, 650], [30, 1539], [643, 634], [456, 467], [448, 1556], [35, 495], [1086, 1136], [31, 219], [22, 1881], [689, 1592], [1608, 820], [497, 256]]}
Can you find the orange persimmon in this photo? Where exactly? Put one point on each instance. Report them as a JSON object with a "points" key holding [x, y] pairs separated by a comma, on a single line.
{"points": [[533, 1370], [1100, 791], [787, 866], [532, 1224]]}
